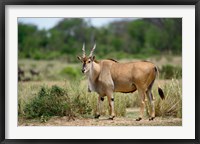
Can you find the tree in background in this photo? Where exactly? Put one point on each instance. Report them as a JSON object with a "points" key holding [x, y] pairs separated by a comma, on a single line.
{"points": [[119, 39]]}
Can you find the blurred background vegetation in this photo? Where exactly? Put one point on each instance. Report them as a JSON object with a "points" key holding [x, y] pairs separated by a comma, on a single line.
{"points": [[140, 38], [51, 54]]}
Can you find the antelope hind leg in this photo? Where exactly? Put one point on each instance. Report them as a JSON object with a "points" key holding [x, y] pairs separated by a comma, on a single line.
{"points": [[151, 99], [142, 96], [111, 105]]}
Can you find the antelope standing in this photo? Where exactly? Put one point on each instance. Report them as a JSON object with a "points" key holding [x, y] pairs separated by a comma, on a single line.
{"points": [[108, 76]]}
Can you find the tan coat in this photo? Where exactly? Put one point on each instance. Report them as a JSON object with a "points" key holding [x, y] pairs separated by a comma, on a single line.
{"points": [[123, 77], [108, 76]]}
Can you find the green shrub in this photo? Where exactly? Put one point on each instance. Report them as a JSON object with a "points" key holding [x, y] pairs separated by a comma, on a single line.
{"points": [[55, 101], [71, 72], [169, 72], [48, 102]]}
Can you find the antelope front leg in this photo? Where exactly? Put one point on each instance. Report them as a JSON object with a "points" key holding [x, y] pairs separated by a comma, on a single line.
{"points": [[99, 106], [111, 105], [142, 106]]}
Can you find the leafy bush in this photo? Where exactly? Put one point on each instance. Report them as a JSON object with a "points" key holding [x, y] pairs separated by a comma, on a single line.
{"points": [[169, 72], [55, 101], [71, 72], [47, 55]]}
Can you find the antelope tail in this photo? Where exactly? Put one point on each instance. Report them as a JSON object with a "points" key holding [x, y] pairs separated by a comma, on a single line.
{"points": [[160, 91]]}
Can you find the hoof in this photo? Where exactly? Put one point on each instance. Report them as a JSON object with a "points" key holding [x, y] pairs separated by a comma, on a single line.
{"points": [[139, 119], [96, 116], [151, 118]]}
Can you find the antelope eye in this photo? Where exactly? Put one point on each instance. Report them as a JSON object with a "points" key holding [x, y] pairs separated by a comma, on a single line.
{"points": [[89, 61]]}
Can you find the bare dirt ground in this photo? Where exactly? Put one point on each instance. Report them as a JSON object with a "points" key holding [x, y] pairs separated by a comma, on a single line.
{"points": [[128, 120]]}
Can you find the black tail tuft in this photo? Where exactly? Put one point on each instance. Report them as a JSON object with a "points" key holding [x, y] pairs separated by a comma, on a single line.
{"points": [[160, 91]]}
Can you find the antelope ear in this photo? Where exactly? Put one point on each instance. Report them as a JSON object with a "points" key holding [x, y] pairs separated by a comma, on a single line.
{"points": [[92, 58], [79, 58]]}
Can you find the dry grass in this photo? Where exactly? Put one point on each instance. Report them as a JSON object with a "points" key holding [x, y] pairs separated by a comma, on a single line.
{"points": [[172, 105], [169, 109]]}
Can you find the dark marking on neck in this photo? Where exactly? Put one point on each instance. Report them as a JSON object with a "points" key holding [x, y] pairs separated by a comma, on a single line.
{"points": [[113, 60]]}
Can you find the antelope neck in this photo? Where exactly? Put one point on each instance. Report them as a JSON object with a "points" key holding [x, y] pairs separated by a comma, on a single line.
{"points": [[94, 71]]}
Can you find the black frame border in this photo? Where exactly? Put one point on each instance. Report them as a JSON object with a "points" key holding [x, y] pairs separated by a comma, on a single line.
{"points": [[3, 4]]}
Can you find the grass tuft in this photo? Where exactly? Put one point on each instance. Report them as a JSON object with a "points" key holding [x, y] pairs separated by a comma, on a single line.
{"points": [[172, 104]]}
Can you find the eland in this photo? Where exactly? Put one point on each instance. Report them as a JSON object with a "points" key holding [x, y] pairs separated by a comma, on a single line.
{"points": [[108, 76]]}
